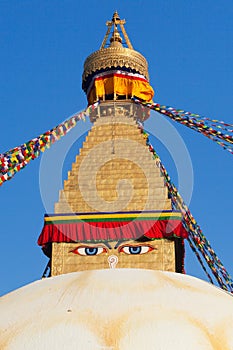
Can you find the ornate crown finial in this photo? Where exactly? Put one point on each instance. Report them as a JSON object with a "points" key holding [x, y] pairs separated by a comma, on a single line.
{"points": [[114, 23], [116, 60]]}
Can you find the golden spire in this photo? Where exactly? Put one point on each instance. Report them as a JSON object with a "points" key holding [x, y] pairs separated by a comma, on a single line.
{"points": [[114, 57], [114, 23]]}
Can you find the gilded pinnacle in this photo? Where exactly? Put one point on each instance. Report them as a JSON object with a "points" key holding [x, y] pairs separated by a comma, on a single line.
{"points": [[116, 52], [114, 24]]}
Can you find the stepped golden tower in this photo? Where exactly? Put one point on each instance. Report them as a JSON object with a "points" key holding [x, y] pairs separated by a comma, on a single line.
{"points": [[114, 210]]}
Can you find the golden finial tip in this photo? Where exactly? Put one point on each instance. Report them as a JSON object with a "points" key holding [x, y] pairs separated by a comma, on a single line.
{"points": [[115, 16]]}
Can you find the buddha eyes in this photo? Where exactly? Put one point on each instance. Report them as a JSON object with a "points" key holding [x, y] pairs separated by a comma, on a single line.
{"points": [[135, 250], [85, 250]]}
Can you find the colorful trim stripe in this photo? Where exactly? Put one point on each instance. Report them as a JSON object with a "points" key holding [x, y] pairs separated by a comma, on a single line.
{"points": [[110, 217]]}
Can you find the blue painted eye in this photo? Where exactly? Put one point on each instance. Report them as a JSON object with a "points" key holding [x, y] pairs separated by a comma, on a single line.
{"points": [[90, 251], [137, 249]]}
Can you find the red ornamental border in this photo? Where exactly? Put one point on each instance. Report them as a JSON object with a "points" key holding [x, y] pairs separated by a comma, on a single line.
{"points": [[102, 231]]}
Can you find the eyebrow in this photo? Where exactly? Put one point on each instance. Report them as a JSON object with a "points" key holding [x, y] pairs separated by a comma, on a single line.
{"points": [[118, 243], [91, 244], [108, 245]]}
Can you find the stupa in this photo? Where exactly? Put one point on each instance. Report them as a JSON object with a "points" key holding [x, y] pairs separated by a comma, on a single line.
{"points": [[114, 208], [114, 217]]}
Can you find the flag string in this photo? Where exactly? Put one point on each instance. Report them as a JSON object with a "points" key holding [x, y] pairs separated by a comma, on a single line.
{"points": [[17, 158], [196, 239], [218, 131]]}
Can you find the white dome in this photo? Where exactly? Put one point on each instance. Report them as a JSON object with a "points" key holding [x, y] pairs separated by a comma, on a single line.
{"points": [[117, 309]]}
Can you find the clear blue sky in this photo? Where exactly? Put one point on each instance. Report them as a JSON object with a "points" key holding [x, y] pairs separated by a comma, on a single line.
{"points": [[188, 45]]}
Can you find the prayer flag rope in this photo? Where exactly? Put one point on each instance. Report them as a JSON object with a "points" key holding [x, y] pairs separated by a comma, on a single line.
{"points": [[218, 131], [17, 158], [199, 259], [196, 238]]}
